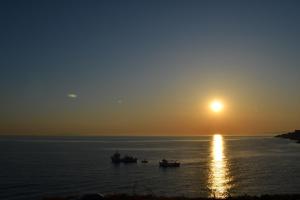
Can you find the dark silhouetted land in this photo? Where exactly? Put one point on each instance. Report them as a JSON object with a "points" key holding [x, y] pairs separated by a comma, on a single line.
{"points": [[292, 136], [151, 197]]}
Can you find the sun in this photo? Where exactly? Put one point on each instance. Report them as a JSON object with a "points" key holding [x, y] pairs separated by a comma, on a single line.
{"points": [[216, 106]]}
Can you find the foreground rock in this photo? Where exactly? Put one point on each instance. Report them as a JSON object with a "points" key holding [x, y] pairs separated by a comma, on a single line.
{"points": [[151, 197], [292, 135], [94, 196]]}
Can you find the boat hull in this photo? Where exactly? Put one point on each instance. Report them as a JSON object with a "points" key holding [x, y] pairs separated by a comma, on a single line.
{"points": [[165, 165]]}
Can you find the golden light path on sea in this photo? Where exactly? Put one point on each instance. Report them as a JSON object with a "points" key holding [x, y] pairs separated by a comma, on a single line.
{"points": [[219, 178]]}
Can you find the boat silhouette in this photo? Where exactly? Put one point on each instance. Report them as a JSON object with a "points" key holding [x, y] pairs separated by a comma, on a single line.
{"points": [[116, 158], [169, 163]]}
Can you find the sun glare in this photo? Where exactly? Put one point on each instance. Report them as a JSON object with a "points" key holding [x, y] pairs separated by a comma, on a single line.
{"points": [[219, 177], [216, 106]]}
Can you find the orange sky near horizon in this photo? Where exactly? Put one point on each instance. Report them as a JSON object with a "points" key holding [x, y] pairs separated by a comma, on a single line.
{"points": [[182, 118]]}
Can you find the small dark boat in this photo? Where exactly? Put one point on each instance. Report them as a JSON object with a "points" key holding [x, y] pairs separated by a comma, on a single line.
{"points": [[144, 161], [170, 163], [116, 158], [129, 159]]}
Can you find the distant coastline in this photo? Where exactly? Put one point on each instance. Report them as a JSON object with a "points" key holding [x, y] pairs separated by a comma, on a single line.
{"points": [[291, 135]]}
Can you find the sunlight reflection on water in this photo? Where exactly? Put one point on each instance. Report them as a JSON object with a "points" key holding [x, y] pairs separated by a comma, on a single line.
{"points": [[219, 177]]}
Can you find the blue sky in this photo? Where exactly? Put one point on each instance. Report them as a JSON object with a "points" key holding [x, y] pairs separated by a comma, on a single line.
{"points": [[146, 67]]}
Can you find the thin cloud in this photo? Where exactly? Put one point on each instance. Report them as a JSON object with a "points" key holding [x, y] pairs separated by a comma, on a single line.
{"points": [[72, 96]]}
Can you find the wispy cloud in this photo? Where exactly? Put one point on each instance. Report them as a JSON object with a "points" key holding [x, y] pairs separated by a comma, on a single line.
{"points": [[72, 95]]}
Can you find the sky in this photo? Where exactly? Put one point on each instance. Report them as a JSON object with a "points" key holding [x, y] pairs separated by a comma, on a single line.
{"points": [[149, 67]]}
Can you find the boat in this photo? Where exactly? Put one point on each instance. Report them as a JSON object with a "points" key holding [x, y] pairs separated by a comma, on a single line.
{"points": [[144, 161], [129, 159], [169, 163], [116, 158]]}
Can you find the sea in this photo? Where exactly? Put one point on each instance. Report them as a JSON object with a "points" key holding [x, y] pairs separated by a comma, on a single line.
{"points": [[211, 166]]}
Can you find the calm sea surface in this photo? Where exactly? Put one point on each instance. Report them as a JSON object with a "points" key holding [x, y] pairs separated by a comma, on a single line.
{"points": [[34, 167]]}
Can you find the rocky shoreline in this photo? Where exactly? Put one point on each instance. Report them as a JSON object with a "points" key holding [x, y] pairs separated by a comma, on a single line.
{"points": [[152, 197]]}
